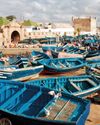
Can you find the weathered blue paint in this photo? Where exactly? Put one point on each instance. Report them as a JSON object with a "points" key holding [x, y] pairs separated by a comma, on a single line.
{"points": [[26, 102], [75, 85], [62, 65]]}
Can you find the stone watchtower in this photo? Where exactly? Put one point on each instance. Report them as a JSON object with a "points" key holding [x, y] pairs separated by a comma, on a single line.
{"points": [[85, 25]]}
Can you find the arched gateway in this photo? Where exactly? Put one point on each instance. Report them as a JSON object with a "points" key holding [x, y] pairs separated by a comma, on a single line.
{"points": [[15, 36]]}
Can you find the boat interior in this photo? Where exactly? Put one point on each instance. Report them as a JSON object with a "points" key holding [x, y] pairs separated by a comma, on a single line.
{"points": [[38, 103]]}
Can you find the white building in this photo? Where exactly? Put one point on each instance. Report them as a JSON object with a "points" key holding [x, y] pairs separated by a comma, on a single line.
{"points": [[53, 30]]}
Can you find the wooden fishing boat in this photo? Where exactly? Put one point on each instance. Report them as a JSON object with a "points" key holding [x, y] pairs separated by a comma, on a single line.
{"points": [[75, 85], [53, 48], [96, 98], [93, 63], [46, 48], [2, 63], [69, 53], [72, 49], [36, 56], [94, 71], [19, 60], [62, 65], [1, 54], [54, 53], [19, 74], [33, 105], [93, 53], [82, 52], [76, 50]]}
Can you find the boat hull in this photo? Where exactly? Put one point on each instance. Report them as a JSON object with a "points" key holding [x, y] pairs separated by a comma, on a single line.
{"points": [[27, 110], [63, 65], [92, 54], [75, 85], [53, 71], [36, 56], [21, 74]]}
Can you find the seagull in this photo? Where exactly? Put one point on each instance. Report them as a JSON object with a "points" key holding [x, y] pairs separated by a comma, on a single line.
{"points": [[47, 112], [51, 93]]}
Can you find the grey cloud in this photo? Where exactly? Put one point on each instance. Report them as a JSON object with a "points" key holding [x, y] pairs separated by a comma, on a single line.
{"points": [[50, 10]]}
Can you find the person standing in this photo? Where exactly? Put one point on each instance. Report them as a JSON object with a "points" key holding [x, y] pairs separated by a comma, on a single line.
{"points": [[3, 44]]}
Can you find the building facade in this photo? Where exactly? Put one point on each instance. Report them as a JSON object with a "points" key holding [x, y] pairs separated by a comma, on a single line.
{"points": [[12, 32], [52, 30], [98, 31], [84, 25]]}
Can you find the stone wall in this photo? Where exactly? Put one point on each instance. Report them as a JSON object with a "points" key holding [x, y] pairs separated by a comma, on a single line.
{"points": [[85, 24]]}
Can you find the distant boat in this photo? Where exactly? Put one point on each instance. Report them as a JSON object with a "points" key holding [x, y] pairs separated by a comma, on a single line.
{"points": [[19, 60], [75, 85], [93, 53], [96, 98], [93, 68], [1, 54], [26, 104], [94, 71], [54, 48], [62, 65], [36, 56], [54, 53], [93, 62], [46, 48], [2, 63], [71, 53], [19, 74]]}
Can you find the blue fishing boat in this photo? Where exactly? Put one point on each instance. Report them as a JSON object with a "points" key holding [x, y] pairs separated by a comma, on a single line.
{"points": [[19, 60], [48, 41], [82, 52], [46, 48], [75, 85], [72, 49], [53, 48], [93, 63], [33, 105], [93, 53], [1, 54], [96, 98], [55, 53], [93, 68], [19, 74], [62, 65], [69, 50], [36, 56], [94, 71], [2, 63]]}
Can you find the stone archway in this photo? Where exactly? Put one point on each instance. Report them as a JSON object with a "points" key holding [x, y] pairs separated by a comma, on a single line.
{"points": [[15, 37]]}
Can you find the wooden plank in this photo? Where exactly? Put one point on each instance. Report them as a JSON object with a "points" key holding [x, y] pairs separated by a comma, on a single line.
{"points": [[75, 86], [55, 109], [62, 65]]}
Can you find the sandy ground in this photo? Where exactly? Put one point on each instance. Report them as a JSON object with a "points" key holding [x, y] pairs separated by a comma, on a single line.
{"points": [[13, 51], [94, 116]]}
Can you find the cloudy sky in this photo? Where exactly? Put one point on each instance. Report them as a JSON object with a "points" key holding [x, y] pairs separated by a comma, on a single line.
{"points": [[50, 10]]}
